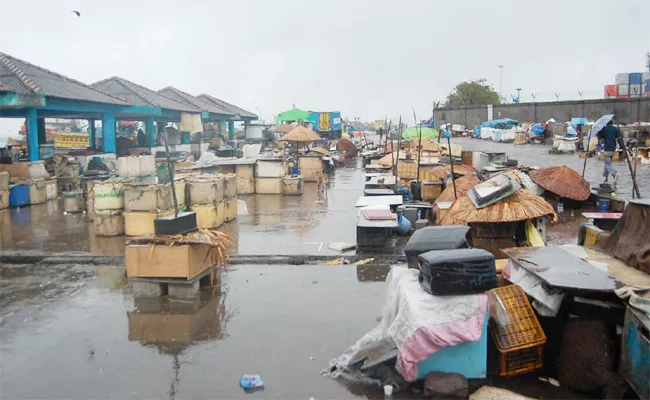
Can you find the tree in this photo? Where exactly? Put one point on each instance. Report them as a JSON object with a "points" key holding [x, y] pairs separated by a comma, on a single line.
{"points": [[472, 93]]}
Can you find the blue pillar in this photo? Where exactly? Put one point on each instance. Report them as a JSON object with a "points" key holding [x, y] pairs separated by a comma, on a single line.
{"points": [[231, 130], [91, 133], [151, 131], [108, 130], [33, 148]]}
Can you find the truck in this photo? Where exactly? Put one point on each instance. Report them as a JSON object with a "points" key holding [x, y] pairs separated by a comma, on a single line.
{"points": [[327, 124]]}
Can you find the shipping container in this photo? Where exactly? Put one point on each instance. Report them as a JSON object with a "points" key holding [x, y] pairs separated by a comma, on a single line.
{"points": [[623, 90], [611, 90], [636, 78], [622, 79], [623, 96], [645, 77], [635, 90], [647, 86]]}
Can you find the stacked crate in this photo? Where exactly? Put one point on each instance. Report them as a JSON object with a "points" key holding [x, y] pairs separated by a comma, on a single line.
{"points": [[143, 204], [206, 199], [4, 190], [230, 197], [37, 191], [629, 85], [109, 207], [245, 178], [268, 176]]}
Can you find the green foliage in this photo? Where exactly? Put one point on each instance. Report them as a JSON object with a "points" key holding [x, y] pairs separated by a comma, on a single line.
{"points": [[472, 93]]}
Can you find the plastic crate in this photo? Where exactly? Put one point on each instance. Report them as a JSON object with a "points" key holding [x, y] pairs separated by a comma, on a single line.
{"points": [[520, 343]]}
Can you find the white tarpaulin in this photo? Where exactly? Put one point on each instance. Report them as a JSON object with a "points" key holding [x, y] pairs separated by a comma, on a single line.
{"points": [[415, 322]]}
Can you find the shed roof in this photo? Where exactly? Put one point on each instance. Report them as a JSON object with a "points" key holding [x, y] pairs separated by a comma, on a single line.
{"points": [[230, 107], [140, 95], [24, 78], [194, 101]]}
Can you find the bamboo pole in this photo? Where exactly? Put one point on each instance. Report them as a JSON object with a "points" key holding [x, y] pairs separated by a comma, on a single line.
{"points": [[419, 145]]}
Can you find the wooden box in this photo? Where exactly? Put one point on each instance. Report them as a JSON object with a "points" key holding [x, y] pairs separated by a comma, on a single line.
{"points": [[268, 185], [245, 170], [430, 190], [37, 191], [109, 223], [209, 216], [148, 198], [230, 209], [407, 169], [4, 199], [183, 261], [229, 186], [141, 223], [245, 185]]}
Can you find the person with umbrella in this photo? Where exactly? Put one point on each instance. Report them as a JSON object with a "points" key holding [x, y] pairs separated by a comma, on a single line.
{"points": [[610, 135]]}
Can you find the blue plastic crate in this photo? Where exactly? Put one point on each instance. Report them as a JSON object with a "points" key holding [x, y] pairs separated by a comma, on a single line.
{"points": [[19, 195], [468, 359]]}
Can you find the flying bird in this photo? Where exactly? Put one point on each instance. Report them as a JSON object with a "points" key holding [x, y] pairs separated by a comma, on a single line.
{"points": [[76, 12]]}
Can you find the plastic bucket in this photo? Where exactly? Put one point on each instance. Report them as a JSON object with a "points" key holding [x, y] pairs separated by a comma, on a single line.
{"points": [[604, 205]]}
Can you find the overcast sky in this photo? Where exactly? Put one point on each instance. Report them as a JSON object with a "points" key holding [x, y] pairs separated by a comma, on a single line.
{"points": [[368, 59]]}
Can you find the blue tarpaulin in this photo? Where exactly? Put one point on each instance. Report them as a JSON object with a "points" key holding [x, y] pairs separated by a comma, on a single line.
{"points": [[503, 123]]}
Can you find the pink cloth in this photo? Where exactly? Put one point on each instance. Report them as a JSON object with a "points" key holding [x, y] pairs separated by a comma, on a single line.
{"points": [[430, 339]]}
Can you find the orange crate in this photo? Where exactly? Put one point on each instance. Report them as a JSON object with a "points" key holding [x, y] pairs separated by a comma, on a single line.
{"points": [[521, 343]]}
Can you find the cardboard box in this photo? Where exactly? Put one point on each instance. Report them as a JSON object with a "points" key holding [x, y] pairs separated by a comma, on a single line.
{"points": [[183, 261], [140, 223]]}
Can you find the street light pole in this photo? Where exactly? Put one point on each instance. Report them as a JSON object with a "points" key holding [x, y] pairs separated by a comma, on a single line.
{"points": [[500, 80]]}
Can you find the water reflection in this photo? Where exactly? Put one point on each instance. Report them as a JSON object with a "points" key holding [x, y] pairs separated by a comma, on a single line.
{"points": [[172, 325]]}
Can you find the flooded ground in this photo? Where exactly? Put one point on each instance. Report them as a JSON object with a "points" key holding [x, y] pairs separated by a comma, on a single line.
{"points": [[275, 224], [75, 331], [96, 341]]}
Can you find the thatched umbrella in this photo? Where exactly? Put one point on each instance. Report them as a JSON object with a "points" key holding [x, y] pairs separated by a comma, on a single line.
{"points": [[563, 181], [459, 169], [284, 128], [463, 185], [347, 146], [321, 151], [523, 205], [301, 136]]}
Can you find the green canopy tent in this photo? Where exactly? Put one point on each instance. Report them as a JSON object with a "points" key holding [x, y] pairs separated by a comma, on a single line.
{"points": [[293, 115], [412, 133]]}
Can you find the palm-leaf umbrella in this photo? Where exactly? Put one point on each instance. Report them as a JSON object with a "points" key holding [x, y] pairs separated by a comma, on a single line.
{"points": [[523, 205], [463, 185], [563, 181], [301, 136], [347, 146], [459, 169]]}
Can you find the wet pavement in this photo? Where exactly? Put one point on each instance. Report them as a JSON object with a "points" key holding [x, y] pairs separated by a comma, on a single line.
{"points": [[75, 331], [537, 155], [96, 341], [275, 224]]}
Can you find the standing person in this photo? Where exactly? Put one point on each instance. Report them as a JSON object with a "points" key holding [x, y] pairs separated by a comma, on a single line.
{"points": [[142, 138], [610, 135]]}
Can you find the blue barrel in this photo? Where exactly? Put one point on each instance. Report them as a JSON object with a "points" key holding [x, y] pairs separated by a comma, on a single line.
{"points": [[19, 195], [604, 205]]}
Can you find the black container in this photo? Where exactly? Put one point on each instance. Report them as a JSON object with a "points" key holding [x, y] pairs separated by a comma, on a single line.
{"points": [[454, 272], [173, 225], [435, 238]]}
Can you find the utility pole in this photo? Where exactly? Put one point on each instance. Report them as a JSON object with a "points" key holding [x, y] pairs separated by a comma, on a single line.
{"points": [[580, 93], [519, 93], [500, 80]]}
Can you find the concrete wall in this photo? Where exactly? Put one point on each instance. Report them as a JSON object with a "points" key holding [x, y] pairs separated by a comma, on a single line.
{"points": [[626, 110]]}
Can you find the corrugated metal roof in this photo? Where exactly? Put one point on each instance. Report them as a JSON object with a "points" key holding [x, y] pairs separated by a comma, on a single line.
{"points": [[188, 99], [232, 108], [22, 77], [140, 95]]}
